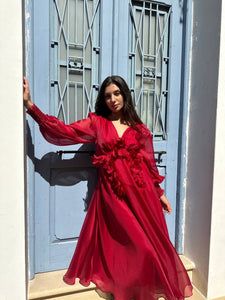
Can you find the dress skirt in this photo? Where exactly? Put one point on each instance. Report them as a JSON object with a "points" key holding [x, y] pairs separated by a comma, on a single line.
{"points": [[124, 246]]}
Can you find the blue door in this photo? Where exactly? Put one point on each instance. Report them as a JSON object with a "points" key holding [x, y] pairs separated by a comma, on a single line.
{"points": [[76, 44]]}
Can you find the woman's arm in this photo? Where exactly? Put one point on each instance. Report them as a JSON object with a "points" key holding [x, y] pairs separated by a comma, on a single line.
{"points": [[147, 142], [57, 132]]}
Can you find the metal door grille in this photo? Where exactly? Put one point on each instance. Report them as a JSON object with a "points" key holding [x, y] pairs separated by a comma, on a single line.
{"points": [[149, 25], [75, 51]]}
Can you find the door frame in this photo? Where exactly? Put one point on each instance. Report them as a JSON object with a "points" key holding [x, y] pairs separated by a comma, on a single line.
{"points": [[183, 123], [32, 65]]}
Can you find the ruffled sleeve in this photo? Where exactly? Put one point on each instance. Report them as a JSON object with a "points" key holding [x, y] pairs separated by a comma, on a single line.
{"points": [[58, 133], [146, 142]]}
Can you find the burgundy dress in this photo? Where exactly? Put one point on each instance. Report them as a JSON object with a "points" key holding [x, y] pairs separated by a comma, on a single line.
{"points": [[124, 246]]}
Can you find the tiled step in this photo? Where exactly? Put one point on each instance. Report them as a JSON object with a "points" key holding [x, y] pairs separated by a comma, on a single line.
{"points": [[51, 286], [189, 265], [196, 295]]}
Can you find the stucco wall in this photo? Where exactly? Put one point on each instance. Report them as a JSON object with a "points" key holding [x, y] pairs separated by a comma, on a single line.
{"points": [[201, 136], [12, 229], [216, 280]]}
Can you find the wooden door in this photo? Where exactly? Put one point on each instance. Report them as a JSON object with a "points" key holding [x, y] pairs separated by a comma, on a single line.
{"points": [[76, 44]]}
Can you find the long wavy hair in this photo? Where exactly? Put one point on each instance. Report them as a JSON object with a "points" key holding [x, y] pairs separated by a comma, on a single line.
{"points": [[129, 114]]}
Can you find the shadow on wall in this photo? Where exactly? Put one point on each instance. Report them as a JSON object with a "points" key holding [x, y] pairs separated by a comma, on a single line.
{"points": [[66, 172]]}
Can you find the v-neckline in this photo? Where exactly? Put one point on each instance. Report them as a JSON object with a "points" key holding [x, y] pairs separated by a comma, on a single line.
{"points": [[120, 137]]}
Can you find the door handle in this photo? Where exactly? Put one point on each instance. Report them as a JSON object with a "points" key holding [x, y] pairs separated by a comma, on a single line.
{"points": [[60, 153]]}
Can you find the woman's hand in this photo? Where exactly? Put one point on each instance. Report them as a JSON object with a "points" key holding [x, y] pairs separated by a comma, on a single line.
{"points": [[26, 94], [165, 204]]}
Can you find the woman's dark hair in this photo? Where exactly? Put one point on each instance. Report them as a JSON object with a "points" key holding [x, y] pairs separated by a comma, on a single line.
{"points": [[129, 115]]}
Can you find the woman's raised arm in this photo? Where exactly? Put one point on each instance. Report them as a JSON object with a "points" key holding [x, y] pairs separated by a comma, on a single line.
{"points": [[57, 132]]}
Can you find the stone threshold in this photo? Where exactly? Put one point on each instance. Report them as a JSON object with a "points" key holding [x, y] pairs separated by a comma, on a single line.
{"points": [[49, 285]]}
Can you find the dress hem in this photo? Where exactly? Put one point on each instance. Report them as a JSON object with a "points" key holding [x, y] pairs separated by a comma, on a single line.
{"points": [[157, 296]]}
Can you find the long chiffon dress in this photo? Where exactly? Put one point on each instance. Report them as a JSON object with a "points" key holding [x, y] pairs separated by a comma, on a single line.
{"points": [[124, 246]]}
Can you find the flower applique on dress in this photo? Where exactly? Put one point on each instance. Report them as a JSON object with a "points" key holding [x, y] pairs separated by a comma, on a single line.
{"points": [[118, 149]]}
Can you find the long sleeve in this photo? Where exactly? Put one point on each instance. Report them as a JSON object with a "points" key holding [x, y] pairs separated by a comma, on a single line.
{"points": [[58, 133], [148, 150]]}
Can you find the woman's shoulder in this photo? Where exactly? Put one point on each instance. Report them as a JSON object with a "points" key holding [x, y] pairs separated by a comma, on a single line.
{"points": [[94, 116], [144, 131], [96, 120]]}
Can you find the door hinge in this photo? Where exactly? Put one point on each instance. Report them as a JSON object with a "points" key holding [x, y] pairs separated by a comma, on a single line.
{"points": [[54, 82], [54, 43]]}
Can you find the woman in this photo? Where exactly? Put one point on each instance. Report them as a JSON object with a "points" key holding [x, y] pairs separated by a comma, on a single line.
{"points": [[124, 246]]}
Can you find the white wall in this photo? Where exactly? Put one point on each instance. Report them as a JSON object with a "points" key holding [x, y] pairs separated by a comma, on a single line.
{"points": [[201, 138], [12, 229], [216, 281]]}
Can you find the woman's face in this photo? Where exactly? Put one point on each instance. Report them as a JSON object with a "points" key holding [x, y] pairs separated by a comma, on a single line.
{"points": [[113, 98]]}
